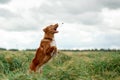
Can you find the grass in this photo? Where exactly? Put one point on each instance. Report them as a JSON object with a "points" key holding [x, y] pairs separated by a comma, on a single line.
{"points": [[86, 65]]}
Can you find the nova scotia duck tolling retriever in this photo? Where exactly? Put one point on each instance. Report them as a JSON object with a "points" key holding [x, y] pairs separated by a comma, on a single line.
{"points": [[46, 50]]}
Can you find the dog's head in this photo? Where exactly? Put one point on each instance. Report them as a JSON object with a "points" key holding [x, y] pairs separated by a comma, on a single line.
{"points": [[51, 29]]}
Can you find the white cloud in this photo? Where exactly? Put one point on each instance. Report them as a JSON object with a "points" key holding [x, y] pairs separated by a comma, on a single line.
{"points": [[87, 24], [22, 5], [21, 40], [111, 18]]}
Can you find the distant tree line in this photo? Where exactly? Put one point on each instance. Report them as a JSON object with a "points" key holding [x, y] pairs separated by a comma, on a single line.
{"points": [[77, 50], [102, 49], [4, 49], [30, 50]]}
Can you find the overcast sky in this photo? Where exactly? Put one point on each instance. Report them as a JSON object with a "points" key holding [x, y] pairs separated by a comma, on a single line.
{"points": [[87, 23]]}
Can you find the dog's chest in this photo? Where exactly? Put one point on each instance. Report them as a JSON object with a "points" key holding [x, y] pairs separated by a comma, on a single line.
{"points": [[53, 43]]}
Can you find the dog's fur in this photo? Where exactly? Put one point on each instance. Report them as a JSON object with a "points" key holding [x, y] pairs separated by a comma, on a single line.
{"points": [[46, 50]]}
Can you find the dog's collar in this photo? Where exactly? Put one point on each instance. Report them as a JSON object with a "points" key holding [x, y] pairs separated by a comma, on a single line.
{"points": [[49, 39]]}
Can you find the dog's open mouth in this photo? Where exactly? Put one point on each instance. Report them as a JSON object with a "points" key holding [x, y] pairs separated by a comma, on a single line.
{"points": [[56, 26], [56, 30]]}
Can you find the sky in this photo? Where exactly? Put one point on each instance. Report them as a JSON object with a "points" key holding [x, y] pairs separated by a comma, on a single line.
{"points": [[88, 24]]}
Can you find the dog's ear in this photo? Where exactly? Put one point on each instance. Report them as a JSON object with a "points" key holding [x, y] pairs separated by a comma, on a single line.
{"points": [[45, 29]]}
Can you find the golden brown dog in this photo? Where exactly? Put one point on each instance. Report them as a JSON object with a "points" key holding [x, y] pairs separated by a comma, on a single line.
{"points": [[46, 50]]}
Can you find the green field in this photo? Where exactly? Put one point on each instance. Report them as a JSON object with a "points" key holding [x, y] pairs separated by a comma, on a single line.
{"points": [[67, 65]]}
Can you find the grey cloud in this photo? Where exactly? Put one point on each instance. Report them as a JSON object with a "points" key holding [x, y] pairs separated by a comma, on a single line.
{"points": [[4, 1], [13, 22], [91, 18], [113, 4], [75, 11], [71, 7], [67, 11], [6, 13], [86, 14], [19, 24], [77, 6]]}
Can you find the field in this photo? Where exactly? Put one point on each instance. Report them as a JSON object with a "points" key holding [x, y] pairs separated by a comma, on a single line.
{"points": [[67, 65]]}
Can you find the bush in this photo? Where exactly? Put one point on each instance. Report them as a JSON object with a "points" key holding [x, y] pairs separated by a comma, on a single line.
{"points": [[3, 49], [13, 50]]}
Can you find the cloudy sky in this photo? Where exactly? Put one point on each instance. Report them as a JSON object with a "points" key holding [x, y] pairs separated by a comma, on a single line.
{"points": [[87, 23]]}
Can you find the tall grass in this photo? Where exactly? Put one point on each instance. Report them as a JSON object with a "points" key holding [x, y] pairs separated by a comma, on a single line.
{"points": [[88, 65]]}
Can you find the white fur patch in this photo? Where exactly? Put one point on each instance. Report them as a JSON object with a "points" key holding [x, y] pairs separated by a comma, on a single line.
{"points": [[53, 43], [53, 54]]}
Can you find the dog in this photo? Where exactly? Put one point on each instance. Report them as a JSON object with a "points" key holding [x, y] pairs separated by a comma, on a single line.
{"points": [[46, 50]]}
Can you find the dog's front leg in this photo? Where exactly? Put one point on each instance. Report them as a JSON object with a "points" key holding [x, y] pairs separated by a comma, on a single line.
{"points": [[52, 50], [55, 50], [49, 53]]}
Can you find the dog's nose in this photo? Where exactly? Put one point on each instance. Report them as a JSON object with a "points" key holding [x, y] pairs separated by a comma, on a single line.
{"points": [[56, 24]]}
